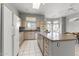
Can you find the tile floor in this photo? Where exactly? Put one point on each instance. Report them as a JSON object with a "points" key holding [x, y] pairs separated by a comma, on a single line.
{"points": [[30, 48]]}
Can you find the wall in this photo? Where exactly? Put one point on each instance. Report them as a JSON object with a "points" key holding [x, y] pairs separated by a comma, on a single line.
{"points": [[69, 26], [72, 26], [39, 18], [73, 15], [24, 15], [14, 10], [63, 24]]}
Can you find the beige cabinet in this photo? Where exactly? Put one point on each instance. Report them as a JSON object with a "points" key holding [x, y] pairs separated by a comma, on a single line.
{"points": [[40, 23], [23, 23], [21, 37], [29, 35]]}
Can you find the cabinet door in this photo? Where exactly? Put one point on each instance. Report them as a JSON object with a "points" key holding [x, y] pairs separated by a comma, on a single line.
{"points": [[16, 24], [38, 38], [29, 35], [53, 49], [62, 48], [46, 44], [67, 48], [41, 44], [21, 38], [7, 31]]}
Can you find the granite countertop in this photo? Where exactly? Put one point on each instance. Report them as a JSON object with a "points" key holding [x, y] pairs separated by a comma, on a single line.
{"points": [[55, 37]]}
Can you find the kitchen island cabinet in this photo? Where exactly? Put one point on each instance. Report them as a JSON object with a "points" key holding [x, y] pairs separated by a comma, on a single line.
{"points": [[62, 46], [40, 43]]}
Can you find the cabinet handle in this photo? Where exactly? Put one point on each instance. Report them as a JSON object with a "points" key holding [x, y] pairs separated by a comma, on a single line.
{"points": [[58, 45]]}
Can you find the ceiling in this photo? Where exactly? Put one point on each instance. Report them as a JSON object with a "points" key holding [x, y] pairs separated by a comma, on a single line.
{"points": [[50, 10]]}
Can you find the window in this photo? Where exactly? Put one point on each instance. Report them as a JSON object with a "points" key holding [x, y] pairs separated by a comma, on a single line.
{"points": [[49, 26], [31, 25], [31, 22], [56, 29]]}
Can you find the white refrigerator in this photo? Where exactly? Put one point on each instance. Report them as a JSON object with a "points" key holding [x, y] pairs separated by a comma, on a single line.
{"points": [[9, 32]]}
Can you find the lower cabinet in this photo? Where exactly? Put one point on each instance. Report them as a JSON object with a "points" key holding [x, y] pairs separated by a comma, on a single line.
{"points": [[46, 44], [40, 43], [29, 35], [43, 44], [56, 48], [21, 38], [62, 48]]}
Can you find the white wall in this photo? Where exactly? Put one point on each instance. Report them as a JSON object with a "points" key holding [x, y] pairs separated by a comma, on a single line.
{"points": [[24, 15], [73, 15], [14, 10], [72, 26]]}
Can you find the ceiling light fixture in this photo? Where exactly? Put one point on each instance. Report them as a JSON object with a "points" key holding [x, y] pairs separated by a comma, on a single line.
{"points": [[36, 5]]}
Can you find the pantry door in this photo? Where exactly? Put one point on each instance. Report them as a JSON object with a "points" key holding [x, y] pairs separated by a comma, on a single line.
{"points": [[6, 31]]}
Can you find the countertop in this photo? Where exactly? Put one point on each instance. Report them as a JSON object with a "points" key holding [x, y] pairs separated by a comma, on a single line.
{"points": [[58, 37], [25, 30]]}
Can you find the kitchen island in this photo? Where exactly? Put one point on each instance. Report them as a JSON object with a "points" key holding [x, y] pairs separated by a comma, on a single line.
{"points": [[57, 45]]}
